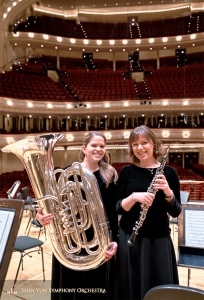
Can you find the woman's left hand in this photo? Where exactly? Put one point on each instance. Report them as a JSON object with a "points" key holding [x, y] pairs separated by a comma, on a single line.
{"points": [[111, 252], [162, 184]]}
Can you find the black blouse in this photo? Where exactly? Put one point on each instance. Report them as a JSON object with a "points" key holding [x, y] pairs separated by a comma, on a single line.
{"points": [[156, 224], [108, 196]]}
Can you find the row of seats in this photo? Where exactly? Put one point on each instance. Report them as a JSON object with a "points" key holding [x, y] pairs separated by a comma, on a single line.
{"points": [[146, 64], [7, 179], [196, 190], [15, 84], [100, 85], [99, 30], [183, 82]]}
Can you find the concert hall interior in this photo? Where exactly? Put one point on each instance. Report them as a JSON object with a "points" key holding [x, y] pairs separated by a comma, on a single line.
{"points": [[69, 68]]}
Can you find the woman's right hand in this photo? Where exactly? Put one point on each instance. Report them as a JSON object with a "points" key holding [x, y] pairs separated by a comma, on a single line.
{"points": [[144, 198], [43, 219]]}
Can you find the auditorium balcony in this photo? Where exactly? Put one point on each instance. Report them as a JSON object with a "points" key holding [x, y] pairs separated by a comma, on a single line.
{"points": [[100, 30]]}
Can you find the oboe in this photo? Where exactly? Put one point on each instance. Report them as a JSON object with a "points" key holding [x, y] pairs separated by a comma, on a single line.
{"points": [[144, 207]]}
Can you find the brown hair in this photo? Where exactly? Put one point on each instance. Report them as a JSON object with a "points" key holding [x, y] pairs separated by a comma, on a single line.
{"points": [[145, 131], [107, 171]]}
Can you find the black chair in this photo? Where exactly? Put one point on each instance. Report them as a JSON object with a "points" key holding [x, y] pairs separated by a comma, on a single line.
{"points": [[24, 243], [19, 196], [30, 202], [174, 292], [33, 222]]}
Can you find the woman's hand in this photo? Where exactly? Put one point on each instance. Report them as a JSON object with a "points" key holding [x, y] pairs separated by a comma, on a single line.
{"points": [[44, 220], [162, 184], [145, 198], [111, 252]]}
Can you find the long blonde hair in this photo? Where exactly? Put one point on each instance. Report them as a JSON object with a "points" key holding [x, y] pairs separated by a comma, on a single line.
{"points": [[107, 171], [145, 131]]}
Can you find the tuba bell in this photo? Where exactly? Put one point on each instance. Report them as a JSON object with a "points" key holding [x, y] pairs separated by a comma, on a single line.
{"points": [[79, 231]]}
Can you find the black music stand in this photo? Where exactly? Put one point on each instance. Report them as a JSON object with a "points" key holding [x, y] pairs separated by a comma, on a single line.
{"points": [[190, 236], [12, 212]]}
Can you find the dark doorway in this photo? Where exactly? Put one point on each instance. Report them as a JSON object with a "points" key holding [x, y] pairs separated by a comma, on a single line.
{"points": [[190, 158], [176, 158]]}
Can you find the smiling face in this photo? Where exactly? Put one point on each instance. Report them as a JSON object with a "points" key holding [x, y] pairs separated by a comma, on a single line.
{"points": [[95, 150], [143, 148]]}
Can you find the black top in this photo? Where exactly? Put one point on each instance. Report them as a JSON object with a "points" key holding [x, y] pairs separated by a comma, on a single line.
{"points": [[94, 283], [135, 179], [108, 197]]}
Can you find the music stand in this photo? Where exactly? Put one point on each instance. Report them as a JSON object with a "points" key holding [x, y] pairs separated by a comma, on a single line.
{"points": [[190, 237], [11, 214]]}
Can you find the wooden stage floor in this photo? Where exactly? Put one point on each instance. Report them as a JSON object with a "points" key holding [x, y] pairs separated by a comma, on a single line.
{"points": [[30, 284]]}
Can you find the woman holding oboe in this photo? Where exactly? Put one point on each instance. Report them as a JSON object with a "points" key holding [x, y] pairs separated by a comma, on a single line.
{"points": [[147, 260]]}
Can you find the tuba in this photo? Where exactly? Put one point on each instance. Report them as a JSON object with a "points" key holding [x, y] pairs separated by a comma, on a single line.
{"points": [[79, 231]]}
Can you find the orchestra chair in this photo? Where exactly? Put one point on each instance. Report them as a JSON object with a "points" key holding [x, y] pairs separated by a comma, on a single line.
{"points": [[19, 196], [33, 222], [24, 243], [25, 192], [174, 292], [30, 202]]}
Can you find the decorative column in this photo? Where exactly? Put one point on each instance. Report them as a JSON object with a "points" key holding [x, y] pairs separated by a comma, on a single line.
{"points": [[58, 59], [1, 122], [158, 61], [114, 63]]}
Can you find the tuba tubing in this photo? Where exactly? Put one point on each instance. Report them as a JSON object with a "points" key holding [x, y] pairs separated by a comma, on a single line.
{"points": [[79, 231]]}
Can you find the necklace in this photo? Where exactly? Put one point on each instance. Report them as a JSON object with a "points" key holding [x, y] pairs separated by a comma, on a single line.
{"points": [[151, 170]]}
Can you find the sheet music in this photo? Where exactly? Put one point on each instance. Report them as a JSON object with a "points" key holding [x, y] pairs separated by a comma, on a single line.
{"points": [[6, 220], [194, 228]]}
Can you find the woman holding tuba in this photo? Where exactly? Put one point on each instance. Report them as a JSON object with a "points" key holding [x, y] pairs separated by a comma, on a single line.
{"points": [[147, 192], [96, 283]]}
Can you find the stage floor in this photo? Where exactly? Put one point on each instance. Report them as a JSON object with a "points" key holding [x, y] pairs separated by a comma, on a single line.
{"points": [[30, 284]]}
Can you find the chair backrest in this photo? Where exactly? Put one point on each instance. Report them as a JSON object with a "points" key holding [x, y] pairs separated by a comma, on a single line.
{"points": [[174, 292], [25, 192], [184, 197], [32, 211], [19, 195]]}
